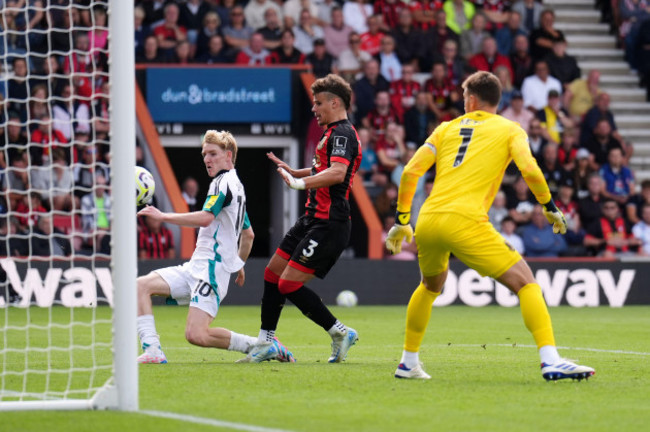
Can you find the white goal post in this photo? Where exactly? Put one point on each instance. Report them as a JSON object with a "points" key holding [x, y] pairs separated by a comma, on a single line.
{"points": [[107, 340]]}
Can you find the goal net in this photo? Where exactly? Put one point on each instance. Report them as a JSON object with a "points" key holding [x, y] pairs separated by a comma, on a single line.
{"points": [[67, 212]]}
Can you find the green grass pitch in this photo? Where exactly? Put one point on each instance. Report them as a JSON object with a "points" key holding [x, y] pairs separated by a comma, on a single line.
{"points": [[485, 376]]}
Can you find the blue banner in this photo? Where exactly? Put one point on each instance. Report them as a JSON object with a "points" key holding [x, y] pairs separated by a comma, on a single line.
{"points": [[216, 95]]}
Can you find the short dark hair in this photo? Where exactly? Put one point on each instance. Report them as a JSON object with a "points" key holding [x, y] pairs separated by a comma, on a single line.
{"points": [[336, 85], [485, 86]]}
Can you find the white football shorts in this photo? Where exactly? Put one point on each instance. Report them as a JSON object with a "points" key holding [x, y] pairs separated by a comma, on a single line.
{"points": [[203, 284]]}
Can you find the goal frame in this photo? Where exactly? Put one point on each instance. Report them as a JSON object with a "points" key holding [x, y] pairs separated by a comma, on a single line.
{"points": [[120, 393]]}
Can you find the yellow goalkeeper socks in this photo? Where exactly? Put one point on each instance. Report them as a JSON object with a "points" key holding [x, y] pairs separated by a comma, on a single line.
{"points": [[535, 313], [418, 313]]}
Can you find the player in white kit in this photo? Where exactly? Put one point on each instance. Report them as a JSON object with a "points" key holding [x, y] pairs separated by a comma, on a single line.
{"points": [[203, 281]]}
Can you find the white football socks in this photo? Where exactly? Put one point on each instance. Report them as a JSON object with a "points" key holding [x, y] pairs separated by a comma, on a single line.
{"points": [[548, 354], [241, 343], [147, 331], [410, 359], [337, 329], [265, 336]]}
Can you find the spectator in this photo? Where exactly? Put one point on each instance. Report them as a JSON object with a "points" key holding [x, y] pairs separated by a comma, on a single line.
{"points": [[454, 64], [255, 54], [488, 59], [408, 39], [182, 53], [150, 52], [436, 41], [98, 36], [580, 94], [390, 148], [507, 89], [566, 203], [96, 217], [542, 38], [371, 40], [170, 32], [49, 76], [551, 168], [581, 173], [516, 111], [404, 91], [190, 193], [409, 251], [17, 88], [294, 8], [538, 237], [192, 17], [84, 173], [568, 150], [352, 60], [337, 34], [641, 230], [632, 14], [599, 111], [530, 11], [369, 165], [498, 210], [508, 227], [459, 14], [321, 62], [216, 53], [610, 236], [389, 11], [286, 53], [590, 206], [389, 64], [634, 207], [536, 139], [419, 120], [535, 88], [506, 35], [69, 114], [554, 119], [17, 138], [381, 115], [424, 12], [254, 12], [47, 240], [54, 182], [223, 9], [237, 34], [619, 180], [101, 116], [46, 138], [272, 31], [307, 32], [210, 27], [155, 240], [153, 11], [601, 143], [355, 13], [11, 243], [643, 43], [141, 30], [420, 193], [325, 8], [386, 201], [38, 105], [496, 12], [367, 87], [561, 65], [471, 40], [521, 61], [520, 201], [443, 95]]}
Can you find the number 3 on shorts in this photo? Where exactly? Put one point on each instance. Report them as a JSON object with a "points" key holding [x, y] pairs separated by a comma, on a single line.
{"points": [[310, 249]]}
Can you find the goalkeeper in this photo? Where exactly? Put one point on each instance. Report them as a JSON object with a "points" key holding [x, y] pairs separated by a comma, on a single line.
{"points": [[471, 154]]}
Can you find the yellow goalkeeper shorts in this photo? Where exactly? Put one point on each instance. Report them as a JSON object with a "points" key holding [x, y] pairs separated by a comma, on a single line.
{"points": [[477, 244]]}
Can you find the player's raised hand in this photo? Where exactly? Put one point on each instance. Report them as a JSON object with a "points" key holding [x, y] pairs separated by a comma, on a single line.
{"points": [[291, 181], [279, 162], [555, 216], [400, 231], [152, 212]]}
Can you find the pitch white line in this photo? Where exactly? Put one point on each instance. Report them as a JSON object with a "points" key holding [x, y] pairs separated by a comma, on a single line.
{"points": [[211, 422], [560, 347]]}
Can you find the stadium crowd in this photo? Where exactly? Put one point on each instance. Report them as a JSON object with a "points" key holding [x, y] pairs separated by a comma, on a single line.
{"points": [[405, 61]]}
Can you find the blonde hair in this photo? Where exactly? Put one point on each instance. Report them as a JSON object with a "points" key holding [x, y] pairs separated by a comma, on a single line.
{"points": [[223, 139]]}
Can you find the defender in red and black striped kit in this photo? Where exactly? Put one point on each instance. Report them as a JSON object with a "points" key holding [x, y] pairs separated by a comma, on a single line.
{"points": [[313, 245]]}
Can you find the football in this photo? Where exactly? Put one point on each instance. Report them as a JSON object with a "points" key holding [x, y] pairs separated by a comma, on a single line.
{"points": [[346, 299], [145, 186]]}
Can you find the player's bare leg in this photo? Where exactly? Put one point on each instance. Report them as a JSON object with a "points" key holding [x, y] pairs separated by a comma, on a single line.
{"points": [[520, 280], [198, 332], [147, 286], [418, 314]]}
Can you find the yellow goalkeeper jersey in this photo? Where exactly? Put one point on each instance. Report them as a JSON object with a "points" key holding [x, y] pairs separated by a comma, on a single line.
{"points": [[471, 154]]}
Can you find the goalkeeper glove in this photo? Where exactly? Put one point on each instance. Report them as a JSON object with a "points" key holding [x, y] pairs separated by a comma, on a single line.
{"points": [[294, 183], [554, 216], [402, 229]]}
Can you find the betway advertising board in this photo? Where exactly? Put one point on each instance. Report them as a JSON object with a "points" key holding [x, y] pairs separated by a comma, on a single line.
{"points": [[577, 284]]}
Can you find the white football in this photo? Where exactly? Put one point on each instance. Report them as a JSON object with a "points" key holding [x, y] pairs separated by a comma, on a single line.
{"points": [[145, 186], [346, 299]]}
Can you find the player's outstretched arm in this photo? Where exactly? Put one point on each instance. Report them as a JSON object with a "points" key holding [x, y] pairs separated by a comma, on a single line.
{"points": [[297, 173], [335, 174], [194, 219]]}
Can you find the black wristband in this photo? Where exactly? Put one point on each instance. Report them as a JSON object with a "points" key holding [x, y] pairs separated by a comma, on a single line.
{"points": [[402, 218], [550, 206]]}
